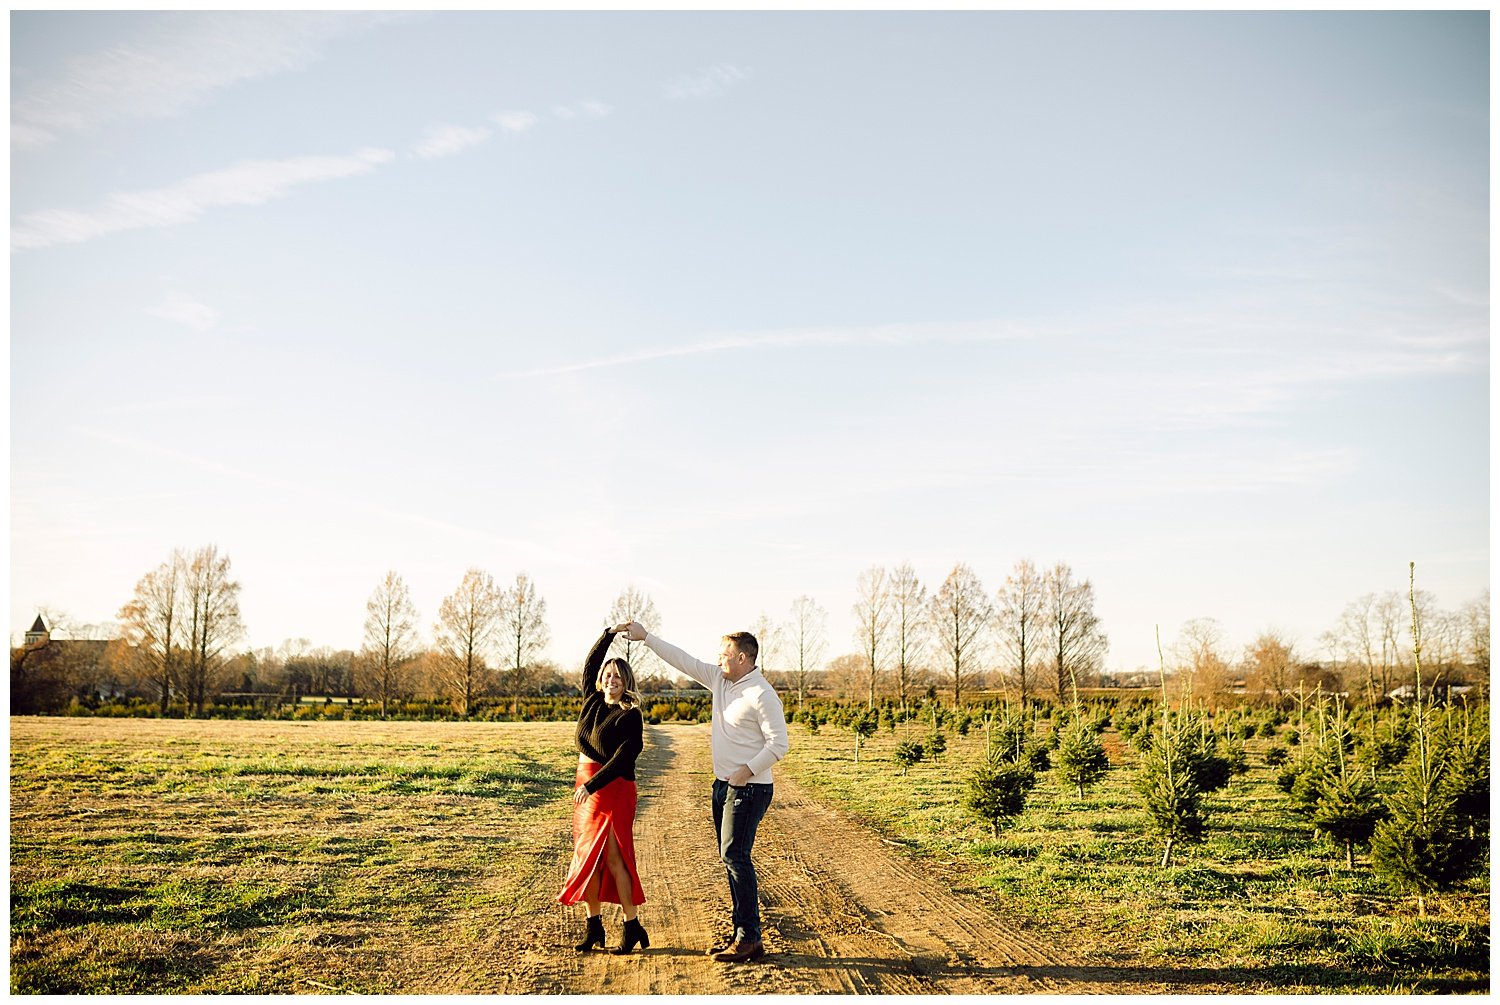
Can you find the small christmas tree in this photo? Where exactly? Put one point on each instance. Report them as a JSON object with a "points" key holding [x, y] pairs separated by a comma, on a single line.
{"points": [[862, 723], [997, 792], [1348, 811], [1080, 755], [1174, 801], [908, 752], [1428, 844]]}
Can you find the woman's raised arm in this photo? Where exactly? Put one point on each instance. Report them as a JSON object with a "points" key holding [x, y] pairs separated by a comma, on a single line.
{"points": [[596, 660]]}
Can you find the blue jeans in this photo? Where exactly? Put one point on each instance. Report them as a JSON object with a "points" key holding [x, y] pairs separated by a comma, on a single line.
{"points": [[737, 814]]}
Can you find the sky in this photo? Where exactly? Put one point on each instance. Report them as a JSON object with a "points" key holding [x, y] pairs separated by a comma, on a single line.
{"points": [[732, 307]]}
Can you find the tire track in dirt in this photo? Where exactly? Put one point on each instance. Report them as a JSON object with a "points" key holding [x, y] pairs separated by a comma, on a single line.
{"points": [[842, 911]]}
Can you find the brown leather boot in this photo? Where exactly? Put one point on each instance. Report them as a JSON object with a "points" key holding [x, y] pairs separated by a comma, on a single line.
{"points": [[742, 951]]}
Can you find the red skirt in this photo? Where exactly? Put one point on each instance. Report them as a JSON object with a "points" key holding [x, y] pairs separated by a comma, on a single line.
{"points": [[611, 809]]}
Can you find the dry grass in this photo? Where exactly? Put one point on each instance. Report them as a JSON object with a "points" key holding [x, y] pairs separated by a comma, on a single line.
{"points": [[169, 856]]}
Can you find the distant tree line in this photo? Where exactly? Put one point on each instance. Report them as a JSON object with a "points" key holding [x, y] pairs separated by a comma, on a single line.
{"points": [[1036, 636], [173, 650]]}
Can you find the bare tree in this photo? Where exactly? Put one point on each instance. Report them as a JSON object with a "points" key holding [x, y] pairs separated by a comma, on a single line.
{"points": [[1270, 665], [1367, 638], [390, 637], [1475, 620], [909, 627], [959, 612], [1442, 635], [634, 605], [213, 616], [465, 632], [425, 676], [523, 627], [771, 637], [152, 620], [872, 613], [1021, 620], [1392, 621], [846, 674], [807, 632], [321, 671], [1074, 637], [1199, 650]]}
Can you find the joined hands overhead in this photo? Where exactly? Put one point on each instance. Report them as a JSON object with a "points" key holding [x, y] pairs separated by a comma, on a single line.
{"points": [[633, 630]]}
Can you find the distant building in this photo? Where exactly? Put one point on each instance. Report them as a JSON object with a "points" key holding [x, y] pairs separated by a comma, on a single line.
{"points": [[47, 672], [1406, 692]]}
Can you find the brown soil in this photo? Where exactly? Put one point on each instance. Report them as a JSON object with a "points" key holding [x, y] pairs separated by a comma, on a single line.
{"points": [[843, 912]]}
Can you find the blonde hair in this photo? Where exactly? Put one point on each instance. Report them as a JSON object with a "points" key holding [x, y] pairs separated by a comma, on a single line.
{"points": [[630, 698]]}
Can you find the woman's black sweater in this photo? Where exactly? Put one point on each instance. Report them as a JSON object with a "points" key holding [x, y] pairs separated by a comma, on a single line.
{"points": [[609, 734]]}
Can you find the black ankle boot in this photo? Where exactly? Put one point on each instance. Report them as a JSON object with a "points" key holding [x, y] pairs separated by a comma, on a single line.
{"points": [[632, 936], [593, 936]]}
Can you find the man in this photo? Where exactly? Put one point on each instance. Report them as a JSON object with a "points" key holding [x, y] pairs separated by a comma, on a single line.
{"points": [[748, 734]]}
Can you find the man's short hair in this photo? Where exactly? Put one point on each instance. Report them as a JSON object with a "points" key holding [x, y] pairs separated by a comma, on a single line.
{"points": [[745, 643]]}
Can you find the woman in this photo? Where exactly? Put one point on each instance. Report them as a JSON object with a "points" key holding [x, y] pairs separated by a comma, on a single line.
{"points": [[609, 740]]}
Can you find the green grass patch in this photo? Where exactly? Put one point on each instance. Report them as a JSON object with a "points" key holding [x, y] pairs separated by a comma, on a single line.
{"points": [[1261, 899]]}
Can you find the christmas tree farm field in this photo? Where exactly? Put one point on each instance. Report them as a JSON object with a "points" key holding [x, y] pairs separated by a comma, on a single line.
{"points": [[1261, 901]]}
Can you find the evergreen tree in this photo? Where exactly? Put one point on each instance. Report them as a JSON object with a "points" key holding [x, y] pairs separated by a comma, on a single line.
{"points": [[1014, 741], [1425, 845], [1198, 746], [1348, 811], [1080, 755], [1463, 737], [997, 791], [1174, 802], [937, 744], [1173, 772], [862, 723], [1429, 843], [908, 752]]}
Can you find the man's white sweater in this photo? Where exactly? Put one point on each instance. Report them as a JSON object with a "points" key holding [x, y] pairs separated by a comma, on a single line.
{"points": [[749, 724]]}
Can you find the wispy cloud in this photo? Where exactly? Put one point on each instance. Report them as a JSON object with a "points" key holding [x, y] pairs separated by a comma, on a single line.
{"points": [[186, 311], [177, 61], [586, 109], [250, 183], [710, 82], [445, 141], [514, 122], [889, 335]]}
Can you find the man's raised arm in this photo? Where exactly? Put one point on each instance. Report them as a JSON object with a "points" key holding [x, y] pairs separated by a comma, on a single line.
{"points": [[703, 673]]}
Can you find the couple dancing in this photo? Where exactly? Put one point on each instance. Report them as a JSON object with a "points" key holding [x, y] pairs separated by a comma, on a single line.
{"points": [[748, 735]]}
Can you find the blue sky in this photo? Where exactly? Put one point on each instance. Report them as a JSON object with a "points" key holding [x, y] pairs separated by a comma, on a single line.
{"points": [[731, 307]]}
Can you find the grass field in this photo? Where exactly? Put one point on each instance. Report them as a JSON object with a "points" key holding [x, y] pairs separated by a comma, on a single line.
{"points": [[175, 856], [1261, 897], [185, 857]]}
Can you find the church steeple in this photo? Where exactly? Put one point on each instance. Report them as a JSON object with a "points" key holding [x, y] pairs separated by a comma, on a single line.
{"points": [[38, 634]]}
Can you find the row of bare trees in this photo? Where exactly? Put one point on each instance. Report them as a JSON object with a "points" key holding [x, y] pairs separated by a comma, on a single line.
{"points": [[1036, 634], [482, 630], [486, 638], [1369, 645], [1367, 654], [1038, 631], [183, 617]]}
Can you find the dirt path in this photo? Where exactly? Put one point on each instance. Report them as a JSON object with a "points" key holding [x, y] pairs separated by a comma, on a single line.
{"points": [[842, 913]]}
